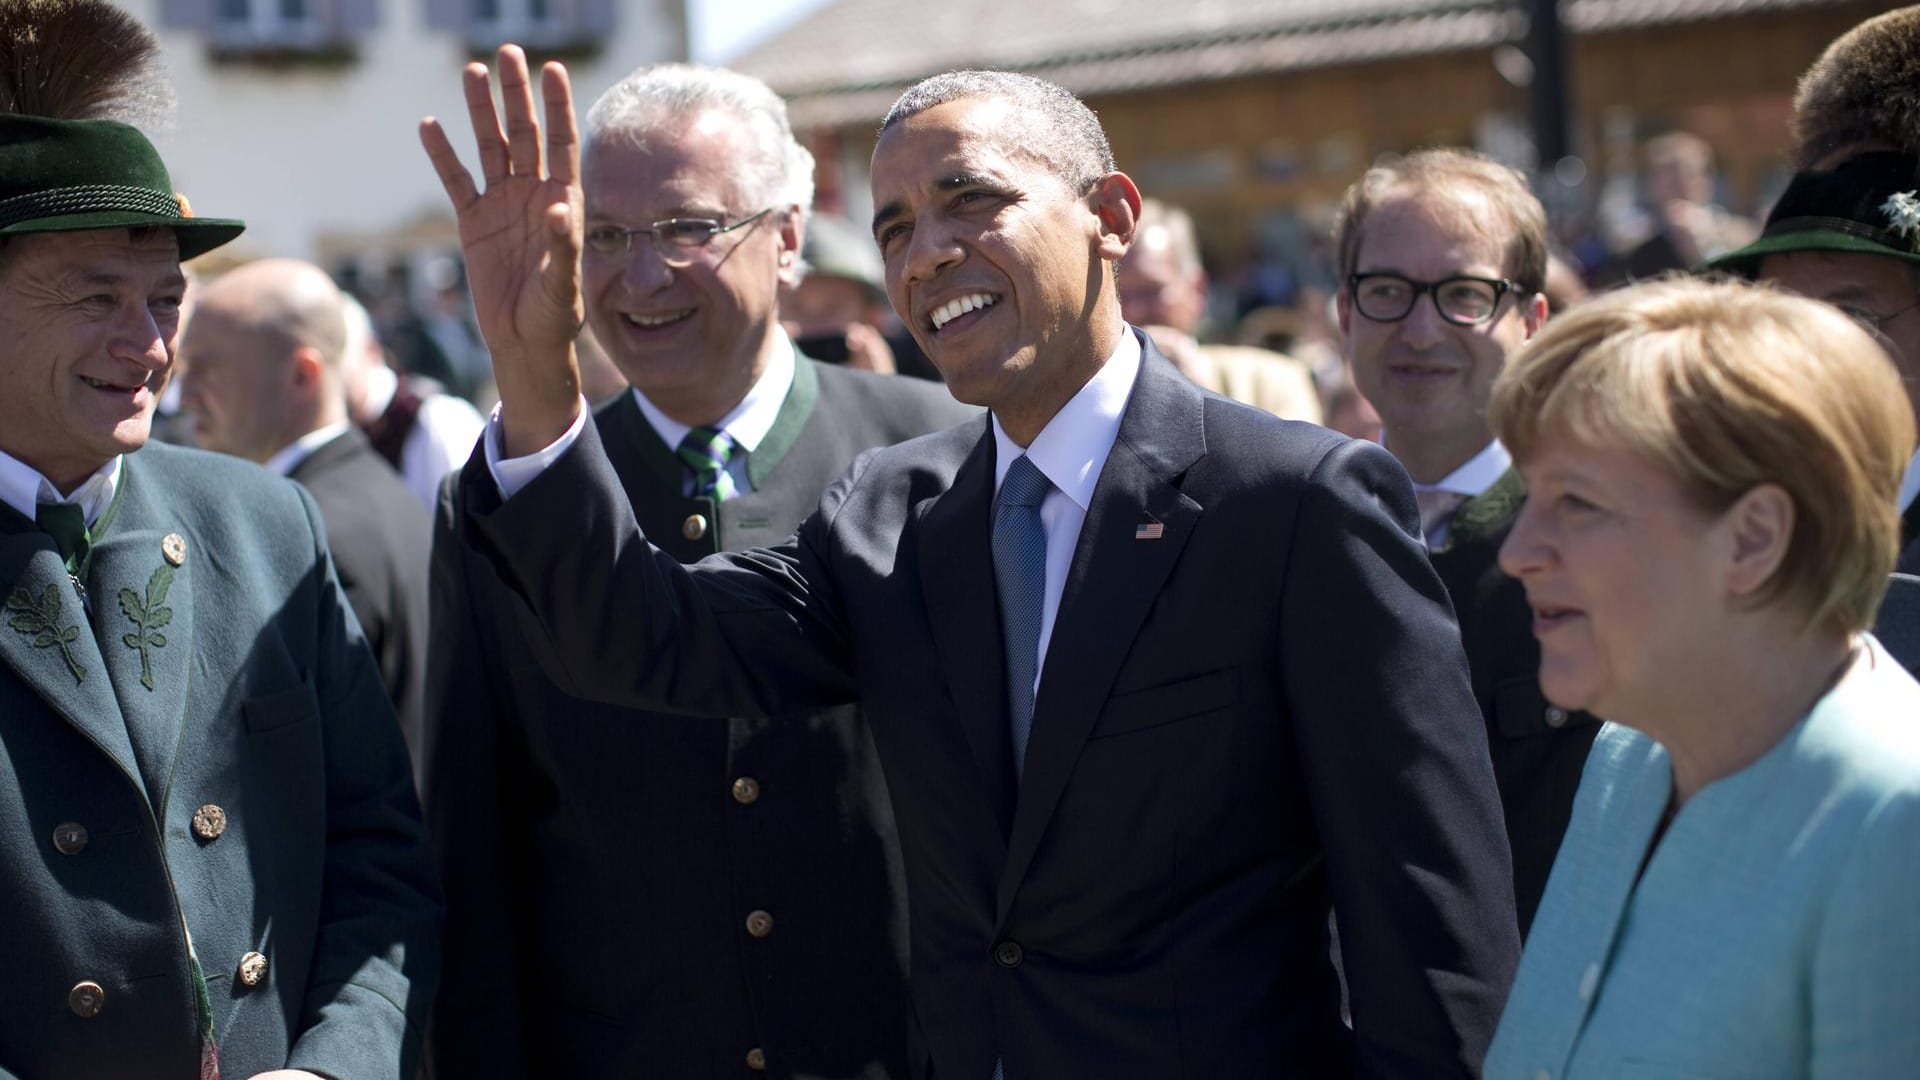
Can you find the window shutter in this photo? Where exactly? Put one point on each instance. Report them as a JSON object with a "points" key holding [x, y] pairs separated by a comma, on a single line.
{"points": [[186, 14], [448, 14]]}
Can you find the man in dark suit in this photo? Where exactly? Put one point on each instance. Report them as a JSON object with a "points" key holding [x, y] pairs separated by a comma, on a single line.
{"points": [[263, 353], [1185, 678], [744, 877], [213, 863], [1442, 257]]}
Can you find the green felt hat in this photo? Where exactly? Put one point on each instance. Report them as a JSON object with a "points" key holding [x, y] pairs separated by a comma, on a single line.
{"points": [[1869, 204], [68, 175]]}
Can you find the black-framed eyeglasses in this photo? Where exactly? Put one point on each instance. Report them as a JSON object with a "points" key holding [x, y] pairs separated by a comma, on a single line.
{"points": [[1872, 323], [678, 240], [1462, 300]]}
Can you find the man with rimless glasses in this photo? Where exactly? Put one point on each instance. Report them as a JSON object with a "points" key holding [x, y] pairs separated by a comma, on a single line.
{"points": [[1443, 256], [642, 895]]}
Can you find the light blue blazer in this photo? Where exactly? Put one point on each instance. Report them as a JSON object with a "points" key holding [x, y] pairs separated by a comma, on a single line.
{"points": [[1776, 931]]}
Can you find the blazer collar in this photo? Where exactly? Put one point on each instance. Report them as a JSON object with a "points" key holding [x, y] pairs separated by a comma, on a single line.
{"points": [[1488, 512], [637, 436]]}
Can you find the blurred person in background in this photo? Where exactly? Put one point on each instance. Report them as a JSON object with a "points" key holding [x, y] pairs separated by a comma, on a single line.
{"points": [[1686, 226], [741, 876], [1847, 231], [1709, 527], [838, 310], [412, 422], [1444, 254], [1163, 290], [265, 351]]}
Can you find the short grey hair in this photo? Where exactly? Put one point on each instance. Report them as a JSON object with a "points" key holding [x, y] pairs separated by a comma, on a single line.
{"points": [[1057, 127], [659, 100]]}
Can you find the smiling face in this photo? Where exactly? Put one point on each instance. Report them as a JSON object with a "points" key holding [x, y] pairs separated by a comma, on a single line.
{"points": [[89, 318], [1624, 572], [1430, 379], [692, 338], [998, 269]]}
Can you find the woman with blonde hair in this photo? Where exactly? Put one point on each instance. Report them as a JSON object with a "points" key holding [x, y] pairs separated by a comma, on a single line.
{"points": [[1711, 470]]}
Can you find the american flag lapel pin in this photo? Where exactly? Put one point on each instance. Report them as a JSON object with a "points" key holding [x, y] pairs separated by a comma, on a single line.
{"points": [[1151, 530]]}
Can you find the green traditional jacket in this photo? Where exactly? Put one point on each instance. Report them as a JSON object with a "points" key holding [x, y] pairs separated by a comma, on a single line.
{"points": [[200, 771]]}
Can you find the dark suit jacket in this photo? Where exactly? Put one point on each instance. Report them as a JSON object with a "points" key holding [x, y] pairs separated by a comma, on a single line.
{"points": [[581, 841], [254, 694], [1898, 627], [381, 539], [1538, 749], [1255, 707]]}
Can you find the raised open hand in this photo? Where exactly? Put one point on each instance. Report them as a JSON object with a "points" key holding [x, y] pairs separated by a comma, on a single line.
{"points": [[521, 238]]}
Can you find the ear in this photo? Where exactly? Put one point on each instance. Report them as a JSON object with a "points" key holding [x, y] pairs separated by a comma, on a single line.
{"points": [[793, 229], [1116, 203], [1761, 524], [308, 367], [1534, 313]]}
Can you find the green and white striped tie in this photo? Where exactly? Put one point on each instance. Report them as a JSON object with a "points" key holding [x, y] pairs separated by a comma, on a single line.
{"points": [[706, 452]]}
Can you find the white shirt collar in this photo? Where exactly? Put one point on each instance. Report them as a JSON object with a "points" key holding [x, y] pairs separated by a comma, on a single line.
{"points": [[1910, 487], [289, 459], [1477, 475], [749, 421], [1072, 449], [22, 487]]}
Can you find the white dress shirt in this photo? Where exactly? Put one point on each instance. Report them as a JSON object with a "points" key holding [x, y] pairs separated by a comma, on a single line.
{"points": [[746, 424], [1469, 480], [1070, 451], [302, 448], [23, 488]]}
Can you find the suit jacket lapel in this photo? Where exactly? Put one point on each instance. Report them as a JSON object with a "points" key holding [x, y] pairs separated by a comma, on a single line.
{"points": [[1489, 511], [1116, 573], [956, 577], [48, 642], [143, 611]]}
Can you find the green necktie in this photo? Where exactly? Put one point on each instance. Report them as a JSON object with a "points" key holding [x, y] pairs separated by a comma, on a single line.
{"points": [[67, 524], [706, 452]]}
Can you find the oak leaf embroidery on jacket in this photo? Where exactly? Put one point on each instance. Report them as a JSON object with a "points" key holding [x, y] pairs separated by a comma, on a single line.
{"points": [[41, 620], [148, 617]]}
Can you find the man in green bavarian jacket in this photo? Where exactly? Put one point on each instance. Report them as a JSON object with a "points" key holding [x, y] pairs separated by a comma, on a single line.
{"points": [[211, 860]]}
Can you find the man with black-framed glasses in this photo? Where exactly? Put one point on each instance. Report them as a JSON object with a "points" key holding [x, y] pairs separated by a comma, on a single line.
{"points": [[642, 895], [1442, 257]]}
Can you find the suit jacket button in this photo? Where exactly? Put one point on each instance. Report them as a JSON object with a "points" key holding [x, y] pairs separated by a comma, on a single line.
{"points": [[746, 791], [209, 822], [1556, 716], [1008, 954], [759, 924], [757, 1059], [253, 970], [694, 527], [69, 838], [86, 999]]}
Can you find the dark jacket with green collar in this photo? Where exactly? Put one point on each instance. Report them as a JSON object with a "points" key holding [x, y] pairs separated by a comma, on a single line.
{"points": [[1538, 749], [602, 864], [218, 673]]}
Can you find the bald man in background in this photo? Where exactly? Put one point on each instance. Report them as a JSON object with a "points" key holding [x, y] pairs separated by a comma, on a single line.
{"points": [[265, 348]]}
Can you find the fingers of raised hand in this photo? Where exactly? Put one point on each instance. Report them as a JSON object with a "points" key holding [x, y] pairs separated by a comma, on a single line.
{"points": [[487, 136], [516, 100], [563, 136], [453, 175]]}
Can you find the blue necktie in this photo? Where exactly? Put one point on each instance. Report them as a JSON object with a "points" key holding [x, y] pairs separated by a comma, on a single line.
{"points": [[1020, 575]]}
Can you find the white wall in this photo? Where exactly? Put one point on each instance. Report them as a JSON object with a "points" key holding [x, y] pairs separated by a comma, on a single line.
{"points": [[309, 151]]}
